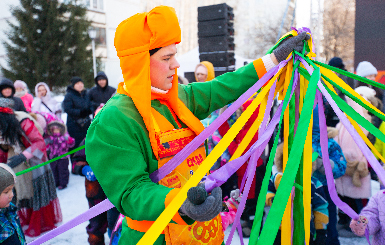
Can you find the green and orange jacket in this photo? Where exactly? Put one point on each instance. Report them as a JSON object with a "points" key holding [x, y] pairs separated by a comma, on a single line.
{"points": [[120, 154]]}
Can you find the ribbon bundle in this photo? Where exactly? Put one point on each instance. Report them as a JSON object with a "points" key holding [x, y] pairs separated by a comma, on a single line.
{"points": [[300, 84]]}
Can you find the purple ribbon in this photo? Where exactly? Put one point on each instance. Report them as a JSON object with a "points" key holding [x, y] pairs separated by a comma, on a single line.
{"points": [[266, 116], [168, 167], [239, 229], [324, 145], [87, 215], [357, 138], [221, 175], [251, 172], [326, 161]]}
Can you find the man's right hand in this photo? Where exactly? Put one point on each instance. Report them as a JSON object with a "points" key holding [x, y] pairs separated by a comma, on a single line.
{"points": [[205, 211]]}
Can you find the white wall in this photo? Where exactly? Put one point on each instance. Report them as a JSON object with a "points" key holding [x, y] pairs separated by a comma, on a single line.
{"points": [[116, 12]]}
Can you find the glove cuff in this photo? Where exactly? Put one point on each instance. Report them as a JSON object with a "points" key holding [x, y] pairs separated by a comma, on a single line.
{"points": [[268, 62]]}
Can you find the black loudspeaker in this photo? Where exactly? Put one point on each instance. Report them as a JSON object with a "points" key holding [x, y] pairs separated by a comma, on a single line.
{"points": [[215, 12], [370, 33], [215, 28], [218, 73], [223, 59], [217, 43], [190, 76]]}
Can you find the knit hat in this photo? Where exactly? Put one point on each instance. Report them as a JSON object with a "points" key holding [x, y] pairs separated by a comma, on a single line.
{"points": [[337, 62], [365, 68], [20, 84], [7, 177], [75, 80], [366, 92]]}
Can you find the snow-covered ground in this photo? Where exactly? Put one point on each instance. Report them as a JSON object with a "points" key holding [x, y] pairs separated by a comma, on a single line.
{"points": [[73, 202]]}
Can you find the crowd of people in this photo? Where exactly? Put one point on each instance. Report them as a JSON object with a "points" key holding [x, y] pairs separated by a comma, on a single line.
{"points": [[149, 119], [32, 132]]}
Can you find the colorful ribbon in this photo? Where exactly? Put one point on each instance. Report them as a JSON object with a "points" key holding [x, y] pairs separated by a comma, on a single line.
{"points": [[303, 84]]}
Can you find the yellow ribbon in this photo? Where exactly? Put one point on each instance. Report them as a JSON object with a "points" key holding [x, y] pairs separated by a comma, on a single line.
{"points": [[251, 132], [165, 217], [286, 219], [307, 173], [341, 83]]}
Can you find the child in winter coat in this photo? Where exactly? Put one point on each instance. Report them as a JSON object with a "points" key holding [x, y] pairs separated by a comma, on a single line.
{"points": [[319, 205], [10, 228], [354, 187], [22, 93], [372, 219], [58, 143]]}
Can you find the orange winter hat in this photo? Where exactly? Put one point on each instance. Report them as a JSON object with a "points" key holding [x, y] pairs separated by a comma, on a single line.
{"points": [[134, 38]]}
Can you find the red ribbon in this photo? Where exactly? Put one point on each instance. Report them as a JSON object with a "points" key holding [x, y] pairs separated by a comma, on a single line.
{"points": [[6, 110]]}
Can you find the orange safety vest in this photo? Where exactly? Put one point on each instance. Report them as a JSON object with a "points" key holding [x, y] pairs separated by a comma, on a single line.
{"points": [[169, 142]]}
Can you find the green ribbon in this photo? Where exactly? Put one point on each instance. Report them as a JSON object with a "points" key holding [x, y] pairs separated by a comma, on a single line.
{"points": [[265, 183], [52, 160], [351, 75], [350, 111], [354, 98], [274, 218]]}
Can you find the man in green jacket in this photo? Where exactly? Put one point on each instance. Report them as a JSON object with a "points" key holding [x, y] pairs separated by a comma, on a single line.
{"points": [[151, 118]]}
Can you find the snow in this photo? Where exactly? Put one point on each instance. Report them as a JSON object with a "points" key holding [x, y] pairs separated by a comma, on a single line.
{"points": [[73, 203]]}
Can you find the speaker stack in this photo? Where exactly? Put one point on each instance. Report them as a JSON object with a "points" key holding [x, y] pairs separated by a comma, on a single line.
{"points": [[216, 38]]}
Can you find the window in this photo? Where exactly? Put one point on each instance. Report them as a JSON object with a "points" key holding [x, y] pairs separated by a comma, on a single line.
{"points": [[100, 38], [94, 4]]}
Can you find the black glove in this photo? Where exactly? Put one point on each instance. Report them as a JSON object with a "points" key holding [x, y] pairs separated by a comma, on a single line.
{"points": [[289, 44], [320, 237], [207, 210], [197, 195], [16, 160], [84, 113]]}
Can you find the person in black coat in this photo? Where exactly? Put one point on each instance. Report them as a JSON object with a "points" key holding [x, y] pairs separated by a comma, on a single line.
{"points": [[77, 106], [101, 93], [7, 90]]}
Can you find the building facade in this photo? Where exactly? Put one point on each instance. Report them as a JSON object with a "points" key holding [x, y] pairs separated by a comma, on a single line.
{"points": [[250, 17]]}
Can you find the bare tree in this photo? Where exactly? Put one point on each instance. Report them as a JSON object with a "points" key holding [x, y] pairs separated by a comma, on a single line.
{"points": [[339, 23], [262, 37]]}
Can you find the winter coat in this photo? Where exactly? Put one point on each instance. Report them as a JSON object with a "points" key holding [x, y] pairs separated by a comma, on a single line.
{"points": [[98, 94], [6, 83], [334, 150], [46, 103], [10, 224], [352, 153], [26, 97], [374, 212], [77, 107], [58, 144]]}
